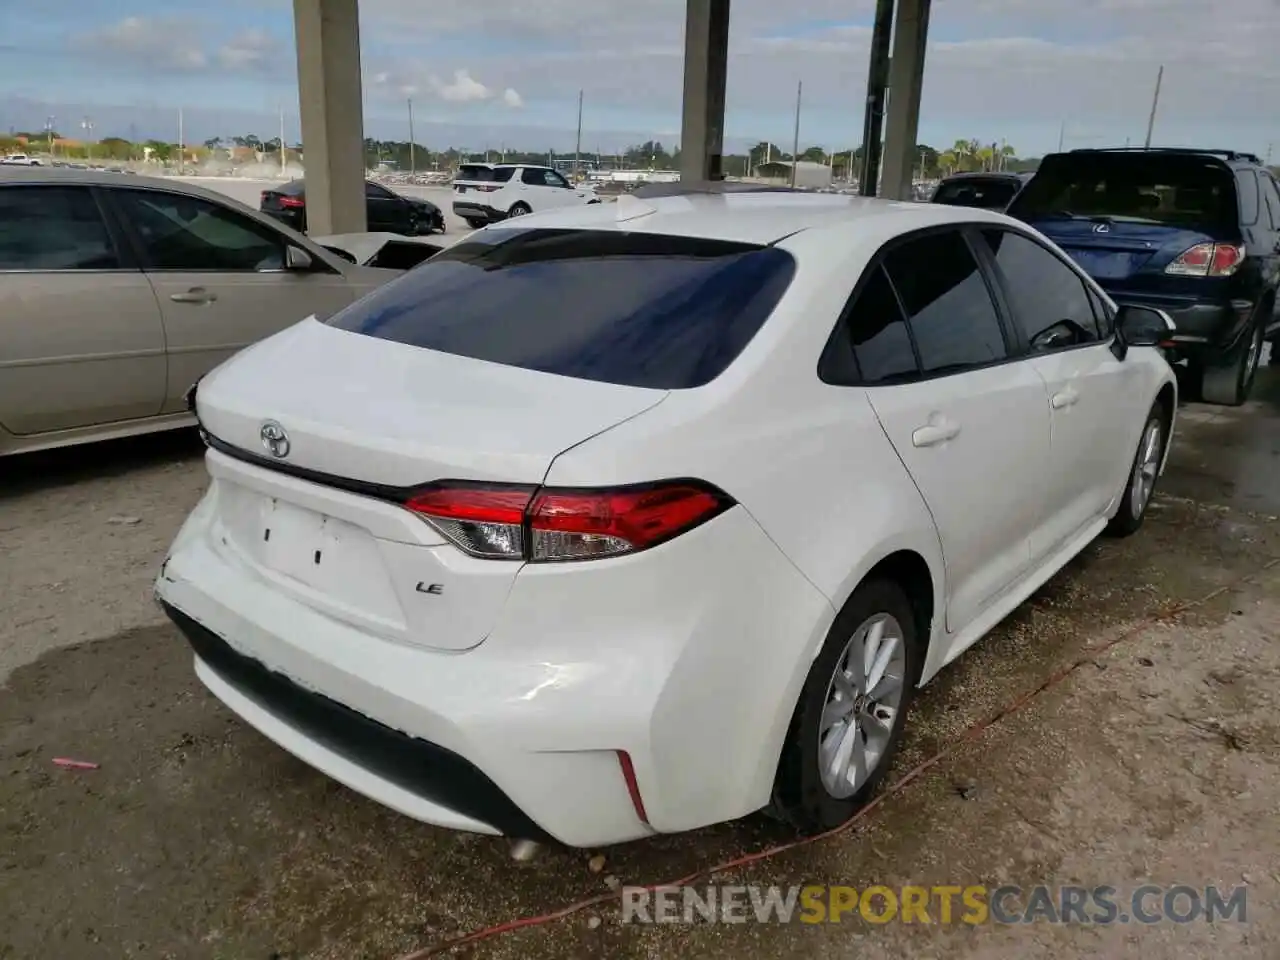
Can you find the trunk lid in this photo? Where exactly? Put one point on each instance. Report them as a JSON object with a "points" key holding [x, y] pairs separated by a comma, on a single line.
{"points": [[366, 419], [1118, 250]]}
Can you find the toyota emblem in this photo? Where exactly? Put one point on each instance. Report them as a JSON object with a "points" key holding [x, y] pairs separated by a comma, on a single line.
{"points": [[274, 439]]}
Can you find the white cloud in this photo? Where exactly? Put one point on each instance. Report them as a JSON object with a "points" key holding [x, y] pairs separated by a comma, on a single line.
{"points": [[990, 62], [512, 99], [462, 89], [166, 43], [253, 49]]}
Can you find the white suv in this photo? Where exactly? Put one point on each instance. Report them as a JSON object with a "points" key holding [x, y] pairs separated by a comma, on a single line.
{"points": [[20, 160], [485, 193]]}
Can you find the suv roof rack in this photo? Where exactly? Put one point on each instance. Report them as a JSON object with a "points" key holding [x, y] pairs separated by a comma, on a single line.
{"points": [[1225, 154]]}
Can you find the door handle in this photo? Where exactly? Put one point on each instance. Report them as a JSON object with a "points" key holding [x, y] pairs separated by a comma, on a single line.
{"points": [[932, 434], [194, 295], [1064, 398]]}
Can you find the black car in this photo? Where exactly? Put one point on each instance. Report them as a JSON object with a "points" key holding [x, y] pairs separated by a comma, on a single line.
{"points": [[990, 191], [1195, 233], [387, 212]]}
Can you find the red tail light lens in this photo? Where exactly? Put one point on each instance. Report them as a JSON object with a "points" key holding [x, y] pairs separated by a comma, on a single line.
{"points": [[557, 524], [1207, 260], [292, 203], [484, 521]]}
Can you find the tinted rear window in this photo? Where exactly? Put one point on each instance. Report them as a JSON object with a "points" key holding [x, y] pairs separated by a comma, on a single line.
{"points": [[635, 309], [1139, 187], [988, 194], [482, 174]]}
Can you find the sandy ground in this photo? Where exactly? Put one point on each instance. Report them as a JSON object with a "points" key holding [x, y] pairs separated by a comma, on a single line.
{"points": [[1158, 759]]}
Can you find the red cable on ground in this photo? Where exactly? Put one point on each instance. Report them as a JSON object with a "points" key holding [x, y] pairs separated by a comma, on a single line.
{"points": [[972, 733]]}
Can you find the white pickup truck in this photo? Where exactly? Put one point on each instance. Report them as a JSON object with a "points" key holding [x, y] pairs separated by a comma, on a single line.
{"points": [[20, 160]]}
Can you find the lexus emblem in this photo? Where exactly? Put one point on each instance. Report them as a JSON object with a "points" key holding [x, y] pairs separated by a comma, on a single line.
{"points": [[1101, 228], [274, 439]]}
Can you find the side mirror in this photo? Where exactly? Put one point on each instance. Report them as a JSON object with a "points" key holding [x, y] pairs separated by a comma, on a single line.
{"points": [[1143, 326], [296, 258]]}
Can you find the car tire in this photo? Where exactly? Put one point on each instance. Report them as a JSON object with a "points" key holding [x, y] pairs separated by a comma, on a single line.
{"points": [[1144, 473], [475, 224], [1231, 383], [805, 796], [519, 209]]}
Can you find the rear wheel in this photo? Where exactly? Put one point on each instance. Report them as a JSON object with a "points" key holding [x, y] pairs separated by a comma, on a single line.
{"points": [[1143, 474], [852, 709], [1231, 383], [474, 223], [519, 210]]}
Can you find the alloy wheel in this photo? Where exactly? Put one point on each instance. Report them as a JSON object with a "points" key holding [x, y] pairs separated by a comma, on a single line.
{"points": [[1146, 468], [862, 704]]}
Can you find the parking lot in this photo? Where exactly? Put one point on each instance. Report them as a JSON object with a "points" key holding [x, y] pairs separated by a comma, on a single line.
{"points": [[1156, 758]]}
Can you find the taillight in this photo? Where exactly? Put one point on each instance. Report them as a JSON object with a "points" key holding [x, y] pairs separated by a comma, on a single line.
{"points": [[262, 198], [482, 520], [1207, 260], [292, 203], [552, 524]]}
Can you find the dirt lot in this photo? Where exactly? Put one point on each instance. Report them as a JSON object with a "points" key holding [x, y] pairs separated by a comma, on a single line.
{"points": [[1157, 759]]}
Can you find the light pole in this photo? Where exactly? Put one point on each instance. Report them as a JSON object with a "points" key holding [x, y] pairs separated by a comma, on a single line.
{"points": [[87, 126], [795, 147], [413, 162], [577, 146], [48, 131]]}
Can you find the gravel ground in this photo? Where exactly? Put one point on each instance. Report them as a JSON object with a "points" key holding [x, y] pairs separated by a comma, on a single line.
{"points": [[197, 839]]}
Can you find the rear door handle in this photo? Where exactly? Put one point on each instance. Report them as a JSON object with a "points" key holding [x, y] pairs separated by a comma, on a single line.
{"points": [[933, 434], [194, 295], [1064, 398]]}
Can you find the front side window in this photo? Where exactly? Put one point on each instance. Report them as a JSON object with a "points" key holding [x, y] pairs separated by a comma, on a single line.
{"points": [[1050, 302], [952, 317], [375, 192], [1271, 195], [638, 309], [555, 180], [53, 228], [180, 232]]}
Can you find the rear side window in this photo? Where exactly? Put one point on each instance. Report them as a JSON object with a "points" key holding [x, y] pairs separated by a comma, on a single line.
{"points": [[482, 174], [633, 309], [1178, 189], [1271, 196], [1248, 185], [952, 316], [53, 228], [878, 333]]}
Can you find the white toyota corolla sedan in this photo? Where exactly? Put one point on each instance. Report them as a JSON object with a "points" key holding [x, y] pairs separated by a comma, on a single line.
{"points": [[632, 518]]}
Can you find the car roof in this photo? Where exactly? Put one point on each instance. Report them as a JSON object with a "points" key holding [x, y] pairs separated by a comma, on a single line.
{"points": [[756, 218], [1233, 158]]}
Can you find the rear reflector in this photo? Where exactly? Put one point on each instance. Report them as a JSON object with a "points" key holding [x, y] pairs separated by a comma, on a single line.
{"points": [[1207, 260], [633, 785], [552, 524]]}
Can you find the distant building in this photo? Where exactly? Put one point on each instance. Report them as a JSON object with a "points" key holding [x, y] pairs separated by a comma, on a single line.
{"points": [[808, 173]]}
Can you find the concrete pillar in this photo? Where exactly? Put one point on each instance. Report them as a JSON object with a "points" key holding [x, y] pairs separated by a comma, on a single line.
{"points": [[706, 61], [329, 96], [906, 82]]}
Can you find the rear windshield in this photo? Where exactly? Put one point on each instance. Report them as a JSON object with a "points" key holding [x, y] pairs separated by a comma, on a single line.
{"points": [[993, 194], [635, 309], [482, 174], [1176, 189]]}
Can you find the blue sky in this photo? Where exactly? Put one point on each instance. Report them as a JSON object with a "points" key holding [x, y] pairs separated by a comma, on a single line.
{"points": [[485, 72]]}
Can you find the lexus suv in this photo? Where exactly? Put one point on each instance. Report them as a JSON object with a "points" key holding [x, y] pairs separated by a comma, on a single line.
{"points": [[1195, 233]]}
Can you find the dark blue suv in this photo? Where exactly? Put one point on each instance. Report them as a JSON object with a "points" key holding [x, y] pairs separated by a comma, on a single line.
{"points": [[1193, 232]]}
